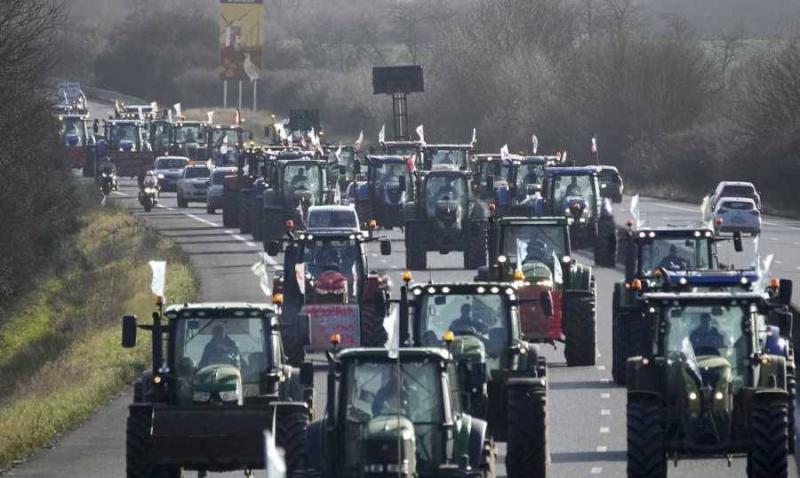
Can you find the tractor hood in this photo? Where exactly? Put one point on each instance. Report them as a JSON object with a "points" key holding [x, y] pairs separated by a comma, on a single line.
{"points": [[386, 436], [468, 348], [537, 272], [218, 382], [708, 384]]}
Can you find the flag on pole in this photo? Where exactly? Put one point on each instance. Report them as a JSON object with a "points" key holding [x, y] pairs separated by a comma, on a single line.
{"points": [[273, 458], [169, 116], [178, 110], [392, 327], [522, 252], [261, 272], [360, 140], [159, 277], [300, 276], [237, 116], [594, 144], [535, 141], [382, 134], [411, 162], [504, 151], [354, 271], [153, 107], [635, 209], [210, 117], [558, 274], [338, 154], [474, 136], [421, 133], [564, 157]]}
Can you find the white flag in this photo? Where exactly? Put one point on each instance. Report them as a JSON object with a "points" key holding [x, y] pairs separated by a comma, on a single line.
{"points": [[594, 145], [392, 327], [382, 134], [273, 458], [360, 140], [210, 117], [260, 270], [338, 154], [141, 114], [564, 157], [522, 252], [504, 151], [154, 107], [474, 136], [635, 209], [159, 277], [354, 271], [178, 110], [300, 276], [421, 133], [558, 274], [535, 141], [169, 116]]}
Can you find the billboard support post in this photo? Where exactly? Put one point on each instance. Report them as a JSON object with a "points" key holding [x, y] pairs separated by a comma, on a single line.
{"points": [[399, 82], [240, 95], [224, 93], [255, 95]]}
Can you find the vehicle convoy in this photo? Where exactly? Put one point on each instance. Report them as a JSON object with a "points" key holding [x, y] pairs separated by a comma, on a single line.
{"points": [[383, 193], [168, 170], [715, 380], [193, 184], [205, 404], [326, 277], [557, 293], [79, 143], [400, 416], [126, 145], [574, 192], [189, 139], [611, 186], [445, 216], [648, 253], [499, 375]]}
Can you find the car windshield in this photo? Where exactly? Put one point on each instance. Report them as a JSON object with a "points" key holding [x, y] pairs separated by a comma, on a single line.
{"points": [[171, 163], [698, 334], [739, 205], [339, 255], [196, 172], [566, 189], [303, 177], [412, 389], [124, 133], [445, 188], [675, 254], [738, 191], [479, 315], [539, 242], [530, 174], [332, 218], [456, 158], [202, 343], [190, 134]]}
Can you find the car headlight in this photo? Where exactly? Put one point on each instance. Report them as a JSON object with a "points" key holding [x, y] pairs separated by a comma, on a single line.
{"points": [[201, 396], [229, 396], [160, 176]]}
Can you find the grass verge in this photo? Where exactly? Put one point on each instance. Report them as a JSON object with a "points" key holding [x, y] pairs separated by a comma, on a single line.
{"points": [[60, 353]]}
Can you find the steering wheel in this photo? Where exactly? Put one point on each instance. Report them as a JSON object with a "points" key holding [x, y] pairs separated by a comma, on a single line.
{"points": [[470, 331]]}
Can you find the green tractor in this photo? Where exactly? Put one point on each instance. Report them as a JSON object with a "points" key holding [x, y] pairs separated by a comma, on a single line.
{"points": [[557, 291], [716, 379], [445, 216], [397, 416], [224, 380], [501, 377], [647, 252]]}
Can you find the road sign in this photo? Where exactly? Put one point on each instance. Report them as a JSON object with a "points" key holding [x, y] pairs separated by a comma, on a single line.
{"points": [[241, 38]]}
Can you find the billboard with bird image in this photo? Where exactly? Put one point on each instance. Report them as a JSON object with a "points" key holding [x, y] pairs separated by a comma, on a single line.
{"points": [[241, 39]]}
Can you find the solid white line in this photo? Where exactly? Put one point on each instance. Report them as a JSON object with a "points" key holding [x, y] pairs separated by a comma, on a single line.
{"points": [[200, 219], [118, 193]]}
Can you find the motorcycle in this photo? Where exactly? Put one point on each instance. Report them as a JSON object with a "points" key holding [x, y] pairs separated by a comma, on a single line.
{"points": [[107, 182], [148, 197]]}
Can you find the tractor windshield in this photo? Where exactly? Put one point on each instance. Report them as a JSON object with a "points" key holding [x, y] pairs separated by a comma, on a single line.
{"points": [[571, 190], [124, 137], [478, 315], [73, 131], [538, 242], [448, 158], [708, 339], [412, 389], [303, 177], [445, 188], [225, 137], [211, 352], [675, 254], [332, 254], [190, 134], [159, 135], [404, 150], [390, 172], [529, 174]]}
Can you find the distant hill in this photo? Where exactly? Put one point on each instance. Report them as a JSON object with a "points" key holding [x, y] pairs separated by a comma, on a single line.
{"points": [[759, 17]]}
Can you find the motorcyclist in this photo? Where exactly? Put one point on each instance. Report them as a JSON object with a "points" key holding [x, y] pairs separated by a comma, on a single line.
{"points": [[150, 180], [466, 322], [673, 261], [707, 336], [221, 349], [108, 169]]}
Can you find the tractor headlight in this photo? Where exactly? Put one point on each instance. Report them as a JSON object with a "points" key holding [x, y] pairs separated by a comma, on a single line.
{"points": [[397, 467], [502, 259], [374, 468], [160, 176], [692, 396], [201, 396], [719, 396], [229, 396]]}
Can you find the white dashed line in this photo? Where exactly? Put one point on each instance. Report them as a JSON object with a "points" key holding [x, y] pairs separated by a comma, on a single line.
{"points": [[605, 395], [605, 380], [118, 193], [605, 412], [204, 221], [605, 430], [601, 367], [602, 449], [597, 470], [774, 239]]}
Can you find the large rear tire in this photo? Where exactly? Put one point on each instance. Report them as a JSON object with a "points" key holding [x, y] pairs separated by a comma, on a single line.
{"points": [[769, 424], [646, 457], [791, 387], [475, 251], [137, 450], [290, 434], [416, 250], [373, 334], [580, 329], [619, 357], [527, 453]]}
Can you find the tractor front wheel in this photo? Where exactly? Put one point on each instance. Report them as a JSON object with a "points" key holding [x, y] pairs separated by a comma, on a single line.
{"points": [[580, 329], [372, 315], [646, 457], [527, 452], [290, 434], [769, 424], [137, 450]]}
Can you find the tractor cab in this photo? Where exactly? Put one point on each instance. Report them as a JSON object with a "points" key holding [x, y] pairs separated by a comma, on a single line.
{"points": [[78, 142], [446, 156], [160, 136], [225, 143], [490, 172], [188, 138], [302, 181], [526, 175], [126, 136], [382, 194], [396, 416]]}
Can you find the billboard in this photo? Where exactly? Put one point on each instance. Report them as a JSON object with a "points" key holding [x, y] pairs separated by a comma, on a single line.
{"points": [[241, 38]]}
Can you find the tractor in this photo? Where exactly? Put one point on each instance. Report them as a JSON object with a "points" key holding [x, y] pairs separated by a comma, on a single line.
{"points": [[574, 192], [716, 380], [189, 139], [79, 143], [448, 156], [224, 144], [489, 171], [557, 291], [445, 216], [326, 277], [125, 143], [205, 404], [647, 252], [160, 136], [383, 193], [500, 376], [396, 416]]}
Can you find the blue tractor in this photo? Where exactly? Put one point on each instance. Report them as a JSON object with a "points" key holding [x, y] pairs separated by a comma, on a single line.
{"points": [[382, 193]]}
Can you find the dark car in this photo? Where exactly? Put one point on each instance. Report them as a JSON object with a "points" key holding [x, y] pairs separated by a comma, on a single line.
{"points": [[168, 170], [611, 186]]}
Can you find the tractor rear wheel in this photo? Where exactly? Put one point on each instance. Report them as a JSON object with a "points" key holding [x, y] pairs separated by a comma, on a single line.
{"points": [[475, 250], [416, 249], [646, 457], [372, 315], [791, 387], [527, 453], [137, 450], [290, 434], [769, 424], [580, 329]]}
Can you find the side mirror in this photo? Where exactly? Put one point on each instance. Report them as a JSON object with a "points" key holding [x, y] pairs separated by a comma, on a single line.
{"points": [[402, 185], [785, 292], [737, 242], [386, 247], [307, 374], [129, 331], [273, 248], [546, 301], [303, 329]]}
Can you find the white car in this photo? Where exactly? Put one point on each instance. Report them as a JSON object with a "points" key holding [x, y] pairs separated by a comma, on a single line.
{"points": [[735, 189], [737, 215], [332, 218], [216, 188], [193, 184]]}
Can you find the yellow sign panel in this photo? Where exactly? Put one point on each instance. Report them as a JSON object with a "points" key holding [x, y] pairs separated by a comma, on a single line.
{"points": [[241, 38]]}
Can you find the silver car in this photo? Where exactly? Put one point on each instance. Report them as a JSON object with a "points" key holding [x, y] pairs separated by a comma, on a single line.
{"points": [[168, 170], [733, 214], [216, 187], [193, 184]]}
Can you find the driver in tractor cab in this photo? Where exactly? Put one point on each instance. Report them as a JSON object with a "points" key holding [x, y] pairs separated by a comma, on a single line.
{"points": [[573, 189], [707, 336], [221, 349], [537, 251], [466, 322], [328, 259], [447, 191], [389, 400], [299, 179], [673, 261]]}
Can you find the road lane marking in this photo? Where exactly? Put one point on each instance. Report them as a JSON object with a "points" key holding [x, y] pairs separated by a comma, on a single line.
{"points": [[605, 430], [602, 449], [119, 193], [605, 395], [601, 367], [200, 219], [597, 470], [605, 412]]}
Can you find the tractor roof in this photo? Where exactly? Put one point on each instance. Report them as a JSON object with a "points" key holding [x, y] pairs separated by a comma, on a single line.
{"points": [[670, 231], [715, 296], [571, 170], [235, 309], [404, 354], [486, 288], [464, 146], [533, 221], [536, 159], [487, 157], [743, 279], [385, 158]]}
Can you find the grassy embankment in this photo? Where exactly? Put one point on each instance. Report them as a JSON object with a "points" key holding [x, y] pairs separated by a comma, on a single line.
{"points": [[60, 353]]}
